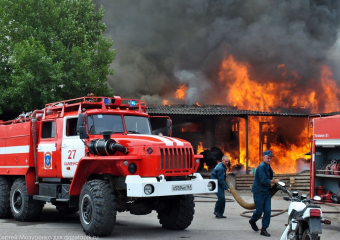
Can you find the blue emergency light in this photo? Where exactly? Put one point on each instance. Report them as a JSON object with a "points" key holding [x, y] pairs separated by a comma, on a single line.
{"points": [[106, 101], [133, 103]]}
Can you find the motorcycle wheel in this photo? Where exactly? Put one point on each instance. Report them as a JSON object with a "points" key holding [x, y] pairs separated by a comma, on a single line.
{"points": [[308, 236], [291, 235]]}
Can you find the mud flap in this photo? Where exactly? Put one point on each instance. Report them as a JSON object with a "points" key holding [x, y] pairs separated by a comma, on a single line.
{"points": [[315, 225]]}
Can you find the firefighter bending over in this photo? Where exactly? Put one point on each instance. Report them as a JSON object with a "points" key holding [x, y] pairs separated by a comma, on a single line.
{"points": [[219, 173]]}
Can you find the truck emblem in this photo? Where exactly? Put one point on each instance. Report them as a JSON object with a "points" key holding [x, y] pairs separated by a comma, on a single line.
{"points": [[48, 160], [149, 150]]}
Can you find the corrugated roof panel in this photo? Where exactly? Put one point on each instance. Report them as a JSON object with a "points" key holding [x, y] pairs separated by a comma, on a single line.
{"points": [[223, 110]]}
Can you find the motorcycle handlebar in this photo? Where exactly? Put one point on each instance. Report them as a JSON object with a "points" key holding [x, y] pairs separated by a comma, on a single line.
{"points": [[291, 198]]}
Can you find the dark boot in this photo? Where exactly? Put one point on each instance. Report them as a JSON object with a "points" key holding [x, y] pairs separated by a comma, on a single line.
{"points": [[220, 216], [264, 232], [253, 225]]}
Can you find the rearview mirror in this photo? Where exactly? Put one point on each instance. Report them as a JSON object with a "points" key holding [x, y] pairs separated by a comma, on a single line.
{"points": [[168, 127], [82, 132], [81, 120], [281, 183], [81, 129], [317, 198]]}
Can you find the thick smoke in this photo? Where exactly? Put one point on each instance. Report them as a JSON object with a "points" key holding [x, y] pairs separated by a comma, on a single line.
{"points": [[161, 44]]}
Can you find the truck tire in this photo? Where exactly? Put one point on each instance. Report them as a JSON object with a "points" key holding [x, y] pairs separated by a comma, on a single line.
{"points": [[65, 209], [97, 208], [5, 188], [24, 208], [178, 212], [308, 236]]}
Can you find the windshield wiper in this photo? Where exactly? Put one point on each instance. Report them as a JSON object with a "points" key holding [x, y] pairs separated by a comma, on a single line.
{"points": [[130, 131]]}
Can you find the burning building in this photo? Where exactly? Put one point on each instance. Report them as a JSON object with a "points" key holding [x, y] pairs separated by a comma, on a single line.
{"points": [[243, 135]]}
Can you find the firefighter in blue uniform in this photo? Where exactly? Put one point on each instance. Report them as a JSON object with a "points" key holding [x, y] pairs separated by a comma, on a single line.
{"points": [[261, 192], [219, 173]]}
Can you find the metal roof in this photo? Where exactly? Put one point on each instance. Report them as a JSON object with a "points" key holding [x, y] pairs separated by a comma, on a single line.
{"points": [[225, 110]]}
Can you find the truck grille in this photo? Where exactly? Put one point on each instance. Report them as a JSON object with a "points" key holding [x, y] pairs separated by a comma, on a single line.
{"points": [[176, 159]]}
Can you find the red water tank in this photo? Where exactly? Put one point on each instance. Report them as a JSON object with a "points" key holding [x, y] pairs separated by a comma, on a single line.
{"points": [[320, 190]]}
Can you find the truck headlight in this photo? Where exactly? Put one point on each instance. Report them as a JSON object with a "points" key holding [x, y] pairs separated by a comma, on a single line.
{"points": [[211, 186], [149, 189], [132, 168]]}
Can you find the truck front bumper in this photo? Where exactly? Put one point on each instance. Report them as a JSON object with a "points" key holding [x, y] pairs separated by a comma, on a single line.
{"points": [[152, 187]]}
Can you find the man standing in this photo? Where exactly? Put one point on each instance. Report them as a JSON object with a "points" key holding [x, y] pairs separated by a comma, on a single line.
{"points": [[219, 173], [261, 191]]}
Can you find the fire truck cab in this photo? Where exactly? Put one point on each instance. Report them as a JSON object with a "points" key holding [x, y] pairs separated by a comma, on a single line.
{"points": [[97, 155], [325, 163]]}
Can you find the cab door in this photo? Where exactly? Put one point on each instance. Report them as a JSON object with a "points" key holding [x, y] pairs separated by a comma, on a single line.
{"points": [[72, 148], [47, 155]]}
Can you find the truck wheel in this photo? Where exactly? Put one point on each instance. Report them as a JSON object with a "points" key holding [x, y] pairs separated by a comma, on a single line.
{"points": [[5, 187], [23, 207], [65, 209], [178, 212], [97, 208], [308, 236]]}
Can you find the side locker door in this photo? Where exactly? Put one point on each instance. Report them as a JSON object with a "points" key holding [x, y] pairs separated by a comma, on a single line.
{"points": [[72, 148], [47, 150]]}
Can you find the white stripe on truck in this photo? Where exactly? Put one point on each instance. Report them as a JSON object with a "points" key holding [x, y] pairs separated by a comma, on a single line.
{"points": [[167, 140], [15, 149]]}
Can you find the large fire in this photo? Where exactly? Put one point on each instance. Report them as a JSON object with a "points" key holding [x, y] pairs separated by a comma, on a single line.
{"points": [[246, 93]]}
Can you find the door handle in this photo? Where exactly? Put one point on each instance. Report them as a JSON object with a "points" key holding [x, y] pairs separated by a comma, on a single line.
{"points": [[64, 146]]}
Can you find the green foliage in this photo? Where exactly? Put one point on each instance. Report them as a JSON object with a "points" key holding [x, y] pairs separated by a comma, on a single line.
{"points": [[51, 50]]}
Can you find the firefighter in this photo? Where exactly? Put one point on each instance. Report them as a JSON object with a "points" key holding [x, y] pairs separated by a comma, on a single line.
{"points": [[219, 173], [261, 192]]}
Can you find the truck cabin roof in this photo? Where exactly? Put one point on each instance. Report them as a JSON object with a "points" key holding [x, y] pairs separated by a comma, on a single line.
{"points": [[104, 104]]}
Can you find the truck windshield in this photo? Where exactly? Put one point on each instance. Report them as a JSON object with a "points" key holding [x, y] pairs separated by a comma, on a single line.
{"points": [[101, 122], [137, 124]]}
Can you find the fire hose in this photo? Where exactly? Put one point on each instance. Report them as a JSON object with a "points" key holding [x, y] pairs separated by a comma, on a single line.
{"points": [[251, 206]]}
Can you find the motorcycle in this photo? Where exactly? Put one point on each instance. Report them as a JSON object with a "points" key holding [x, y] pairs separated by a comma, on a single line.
{"points": [[304, 216]]}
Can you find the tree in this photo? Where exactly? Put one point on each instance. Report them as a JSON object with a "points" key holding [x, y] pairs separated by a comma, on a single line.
{"points": [[51, 50]]}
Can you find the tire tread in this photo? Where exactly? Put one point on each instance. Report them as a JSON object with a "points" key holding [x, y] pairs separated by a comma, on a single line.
{"points": [[104, 213], [32, 209], [181, 215], [5, 188]]}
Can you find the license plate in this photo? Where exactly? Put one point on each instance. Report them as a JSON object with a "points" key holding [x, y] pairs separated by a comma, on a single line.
{"points": [[186, 187]]}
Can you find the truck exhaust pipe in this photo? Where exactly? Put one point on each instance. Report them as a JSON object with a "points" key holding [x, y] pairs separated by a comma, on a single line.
{"points": [[106, 146]]}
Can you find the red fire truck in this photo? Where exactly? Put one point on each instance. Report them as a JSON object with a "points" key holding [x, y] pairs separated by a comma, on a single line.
{"points": [[325, 163], [97, 155]]}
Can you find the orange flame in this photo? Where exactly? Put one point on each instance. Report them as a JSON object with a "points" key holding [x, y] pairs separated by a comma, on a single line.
{"points": [[285, 157], [330, 90], [181, 92], [206, 167], [245, 93], [165, 102], [200, 148]]}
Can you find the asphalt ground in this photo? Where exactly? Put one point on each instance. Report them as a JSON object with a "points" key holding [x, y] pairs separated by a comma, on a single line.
{"points": [[54, 225]]}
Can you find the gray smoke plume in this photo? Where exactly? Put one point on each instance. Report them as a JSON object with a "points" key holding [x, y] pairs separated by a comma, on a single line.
{"points": [[161, 44]]}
